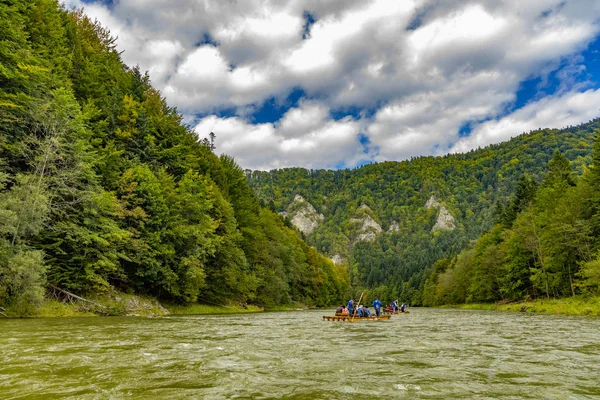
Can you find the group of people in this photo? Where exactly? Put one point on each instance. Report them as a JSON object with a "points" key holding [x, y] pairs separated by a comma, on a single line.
{"points": [[360, 311], [394, 306], [363, 311]]}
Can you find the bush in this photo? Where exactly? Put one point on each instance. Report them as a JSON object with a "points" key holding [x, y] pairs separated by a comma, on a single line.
{"points": [[22, 280]]}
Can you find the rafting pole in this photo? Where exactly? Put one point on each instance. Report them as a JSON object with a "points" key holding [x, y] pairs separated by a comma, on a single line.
{"points": [[355, 309]]}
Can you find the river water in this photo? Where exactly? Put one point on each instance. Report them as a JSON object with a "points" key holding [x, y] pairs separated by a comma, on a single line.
{"points": [[429, 353]]}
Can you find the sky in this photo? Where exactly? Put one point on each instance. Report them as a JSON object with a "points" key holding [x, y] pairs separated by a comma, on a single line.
{"points": [[343, 83]]}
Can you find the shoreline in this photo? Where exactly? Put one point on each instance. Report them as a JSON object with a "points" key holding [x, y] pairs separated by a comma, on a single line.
{"points": [[142, 306], [121, 304], [578, 305], [136, 306]]}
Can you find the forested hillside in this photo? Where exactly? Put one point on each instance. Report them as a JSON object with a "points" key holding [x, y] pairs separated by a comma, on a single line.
{"points": [[391, 222], [102, 186], [544, 244]]}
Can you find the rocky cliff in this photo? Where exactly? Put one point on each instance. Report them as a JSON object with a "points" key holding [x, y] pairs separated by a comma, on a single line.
{"points": [[337, 259], [445, 220], [366, 226], [394, 227], [303, 215], [432, 203]]}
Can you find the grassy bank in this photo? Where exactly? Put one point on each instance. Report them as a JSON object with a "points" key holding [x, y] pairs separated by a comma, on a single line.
{"points": [[293, 307], [54, 308], [113, 304], [117, 303], [202, 309], [568, 306], [123, 304]]}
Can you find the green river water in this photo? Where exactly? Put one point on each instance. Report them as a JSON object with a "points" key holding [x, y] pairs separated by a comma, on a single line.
{"points": [[429, 353]]}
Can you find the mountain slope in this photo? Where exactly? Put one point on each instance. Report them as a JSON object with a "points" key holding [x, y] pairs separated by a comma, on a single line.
{"points": [[102, 186], [460, 191]]}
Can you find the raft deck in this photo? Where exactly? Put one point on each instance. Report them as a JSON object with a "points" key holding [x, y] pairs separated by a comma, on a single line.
{"points": [[355, 319]]}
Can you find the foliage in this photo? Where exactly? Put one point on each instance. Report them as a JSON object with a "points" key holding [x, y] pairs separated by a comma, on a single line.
{"points": [[204, 309], [544, 249], [102, 186], [576, 305], [505, 192]]}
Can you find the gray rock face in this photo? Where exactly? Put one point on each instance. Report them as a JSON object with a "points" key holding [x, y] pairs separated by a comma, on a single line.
{"points": [[432, 203], [368, 228], [337, 259], [304, 215], [394, 227], [445, 221]]}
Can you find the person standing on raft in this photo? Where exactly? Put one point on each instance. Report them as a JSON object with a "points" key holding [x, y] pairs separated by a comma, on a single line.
{"points": [[377, 306], [350, 307]]}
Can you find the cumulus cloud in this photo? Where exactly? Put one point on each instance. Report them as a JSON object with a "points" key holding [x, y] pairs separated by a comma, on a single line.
{"points": [[559, 111], [305, 136], [423, 68]]}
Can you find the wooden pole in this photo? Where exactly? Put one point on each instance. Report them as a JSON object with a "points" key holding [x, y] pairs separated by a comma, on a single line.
{"points": [[355, 308]]}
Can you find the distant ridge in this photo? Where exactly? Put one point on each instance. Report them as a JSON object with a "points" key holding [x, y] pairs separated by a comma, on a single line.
{"points": [[466, 184]]}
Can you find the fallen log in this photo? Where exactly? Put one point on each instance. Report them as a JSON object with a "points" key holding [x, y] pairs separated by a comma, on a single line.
{"points": [[76, 297]]}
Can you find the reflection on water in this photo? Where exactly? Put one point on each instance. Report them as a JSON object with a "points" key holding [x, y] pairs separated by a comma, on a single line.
{"points": [[428, 353]]}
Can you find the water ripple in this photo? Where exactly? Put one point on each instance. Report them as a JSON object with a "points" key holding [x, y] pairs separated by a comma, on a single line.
{"points": [[295, 355]]}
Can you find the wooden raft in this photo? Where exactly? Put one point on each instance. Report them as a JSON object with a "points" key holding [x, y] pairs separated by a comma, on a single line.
{"points": [[356, 319], [387, 312]]}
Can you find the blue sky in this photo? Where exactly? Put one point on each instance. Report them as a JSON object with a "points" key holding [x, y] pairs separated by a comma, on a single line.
{"points": [[342, 83]]}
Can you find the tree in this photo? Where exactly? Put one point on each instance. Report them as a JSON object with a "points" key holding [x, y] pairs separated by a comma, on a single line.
{"points": [[560, 172], [212, 141]]}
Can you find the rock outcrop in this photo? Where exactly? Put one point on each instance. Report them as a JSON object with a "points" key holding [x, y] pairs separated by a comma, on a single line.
{"points": [[337, 259], [138, 306], [303, 215], [367, 227], [394, 227], [432, 203], [445, 220]]}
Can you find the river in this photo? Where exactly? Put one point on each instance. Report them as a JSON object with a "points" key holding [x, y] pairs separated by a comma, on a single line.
{"points": [[429, 353]]}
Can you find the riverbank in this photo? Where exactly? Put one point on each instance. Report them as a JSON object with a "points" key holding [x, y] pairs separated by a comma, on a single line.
{"points": [[204, 309], [122, 304], [577, 305]]}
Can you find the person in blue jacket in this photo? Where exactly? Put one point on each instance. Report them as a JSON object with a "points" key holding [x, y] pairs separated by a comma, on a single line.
{"points": [[350, 307], [377, 306], [395, 305]]}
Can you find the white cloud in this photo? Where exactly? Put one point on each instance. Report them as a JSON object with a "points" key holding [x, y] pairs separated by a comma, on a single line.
{"points": [[458, 62], [471, 24], [427, 122], [560, 111], [317, 142]]}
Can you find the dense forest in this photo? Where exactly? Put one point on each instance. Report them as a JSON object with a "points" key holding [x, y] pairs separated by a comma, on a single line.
{"points": [[544, 243], [399, 226], [103, 187]]}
